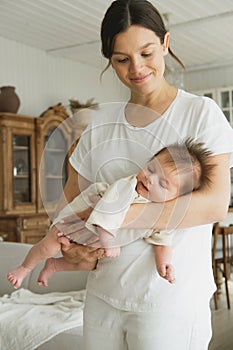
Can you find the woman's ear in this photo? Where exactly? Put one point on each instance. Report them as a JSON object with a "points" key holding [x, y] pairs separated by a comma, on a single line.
{"points": [[166, 43], [111, 64]]}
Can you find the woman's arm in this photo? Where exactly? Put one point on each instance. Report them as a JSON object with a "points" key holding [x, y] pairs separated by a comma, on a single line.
{"points": [[76, 252], [74, 185], [207, 205]]}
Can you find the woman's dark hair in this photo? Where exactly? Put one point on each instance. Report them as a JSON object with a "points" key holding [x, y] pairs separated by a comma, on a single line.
{"points": [[122, 14]]}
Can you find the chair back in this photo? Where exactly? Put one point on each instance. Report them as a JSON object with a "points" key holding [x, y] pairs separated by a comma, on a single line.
{"points": [[227, 247], [222, 257]]}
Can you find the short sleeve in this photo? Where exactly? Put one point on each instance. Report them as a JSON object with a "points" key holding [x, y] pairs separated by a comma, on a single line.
{"points": [[216, 132], [80, 159]]}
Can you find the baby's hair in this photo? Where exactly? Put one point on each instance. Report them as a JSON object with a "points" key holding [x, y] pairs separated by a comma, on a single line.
{"points": [[191, 159]]}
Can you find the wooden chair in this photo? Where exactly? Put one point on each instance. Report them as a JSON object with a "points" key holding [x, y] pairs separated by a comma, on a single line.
{"points": [[222, 256]]}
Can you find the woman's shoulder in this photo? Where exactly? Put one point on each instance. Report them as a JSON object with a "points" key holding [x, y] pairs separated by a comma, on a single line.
{"points": [[194, 99], [197, 105]]}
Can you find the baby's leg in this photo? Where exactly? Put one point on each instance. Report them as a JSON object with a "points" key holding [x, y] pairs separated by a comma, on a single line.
{"points": [[44, 249], [107, 241], [53, 265], [163, 262]]}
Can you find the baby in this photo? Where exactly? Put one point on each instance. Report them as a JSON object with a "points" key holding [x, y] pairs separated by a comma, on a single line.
{"points": [[174, 171]]}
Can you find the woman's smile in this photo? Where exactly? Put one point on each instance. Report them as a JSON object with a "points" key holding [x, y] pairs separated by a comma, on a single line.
{"points": [[141, 79]]}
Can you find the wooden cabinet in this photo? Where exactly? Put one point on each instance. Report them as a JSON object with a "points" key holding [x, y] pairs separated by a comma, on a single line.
{"points": [[34, 167], [25, 228], [17, 164]]}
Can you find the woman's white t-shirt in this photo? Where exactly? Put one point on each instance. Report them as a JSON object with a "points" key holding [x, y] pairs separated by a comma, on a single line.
{"points": [[110, 149]]}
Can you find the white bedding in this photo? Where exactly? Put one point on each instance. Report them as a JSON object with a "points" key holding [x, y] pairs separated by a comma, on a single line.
{"points": [[27, 320]]}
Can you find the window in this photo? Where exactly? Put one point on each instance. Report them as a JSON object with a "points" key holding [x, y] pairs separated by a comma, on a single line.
{"points": [[223, 97]]}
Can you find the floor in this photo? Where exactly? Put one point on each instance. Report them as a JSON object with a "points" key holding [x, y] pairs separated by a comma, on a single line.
{"points": [[222, 322]]}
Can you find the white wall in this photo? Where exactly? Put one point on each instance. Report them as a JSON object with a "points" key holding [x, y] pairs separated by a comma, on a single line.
{"points": [[43, 80], [209, 78]]}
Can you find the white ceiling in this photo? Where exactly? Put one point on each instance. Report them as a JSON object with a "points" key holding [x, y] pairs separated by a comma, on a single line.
{"points": [[201, 30]]}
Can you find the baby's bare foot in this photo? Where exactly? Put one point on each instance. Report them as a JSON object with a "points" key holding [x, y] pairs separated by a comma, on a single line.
{"points": [[48, 270], [112, 252], [17, 276], [107, 240]]}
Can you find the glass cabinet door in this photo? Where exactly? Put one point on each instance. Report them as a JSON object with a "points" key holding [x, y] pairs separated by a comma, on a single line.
{"points": [[55, 167], [21, 169]]}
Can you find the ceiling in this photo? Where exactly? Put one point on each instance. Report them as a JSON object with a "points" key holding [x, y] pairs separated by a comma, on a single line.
{"points": [[201, 31]]}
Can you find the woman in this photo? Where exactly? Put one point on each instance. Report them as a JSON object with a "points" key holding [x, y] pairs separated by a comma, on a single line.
{"points": [[128, 305]]}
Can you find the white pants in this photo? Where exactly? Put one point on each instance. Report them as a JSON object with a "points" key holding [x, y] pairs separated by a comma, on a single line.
{"points": [[108, 328]]}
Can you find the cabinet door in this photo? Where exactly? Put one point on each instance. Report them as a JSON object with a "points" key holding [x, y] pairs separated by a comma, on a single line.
{"points": [[55, 166], [53, 162], [19, 180]]}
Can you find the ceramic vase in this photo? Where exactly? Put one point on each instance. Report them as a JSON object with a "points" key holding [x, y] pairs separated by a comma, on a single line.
{"points": [[9, 100]]}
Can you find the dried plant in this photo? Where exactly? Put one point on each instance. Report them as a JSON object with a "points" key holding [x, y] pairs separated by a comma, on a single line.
{"points": [[76, 105]]}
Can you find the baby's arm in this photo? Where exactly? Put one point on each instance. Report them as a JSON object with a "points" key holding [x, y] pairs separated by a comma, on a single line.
{"points": [[44, 249], [81, 202], [163, 262], [163, 253], [110, 211]]}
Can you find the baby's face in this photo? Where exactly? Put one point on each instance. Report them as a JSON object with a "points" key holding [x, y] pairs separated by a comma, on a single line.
{"points": [[157, 182]]}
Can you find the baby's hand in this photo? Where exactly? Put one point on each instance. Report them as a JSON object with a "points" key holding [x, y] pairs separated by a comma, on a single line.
{"points": [[167, 272]]}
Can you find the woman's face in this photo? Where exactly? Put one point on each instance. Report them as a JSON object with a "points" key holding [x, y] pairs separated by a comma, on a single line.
{"points": [[138, 59]]}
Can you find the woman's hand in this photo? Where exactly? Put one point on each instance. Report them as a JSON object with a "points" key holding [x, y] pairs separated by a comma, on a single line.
{"points": [[73, 224], [77, 253], [72, 228]]}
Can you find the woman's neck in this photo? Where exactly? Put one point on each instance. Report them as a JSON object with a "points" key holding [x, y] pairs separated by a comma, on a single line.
{"points": [[156, 104], [159, 100]]}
